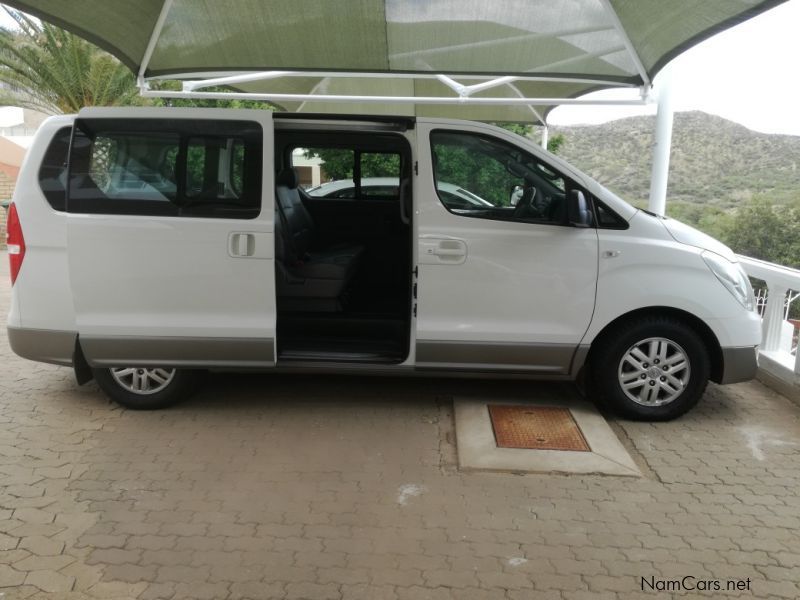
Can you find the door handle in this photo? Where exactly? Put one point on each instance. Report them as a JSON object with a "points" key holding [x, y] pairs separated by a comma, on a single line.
{"points": [[448, 251], [443, 251], [241, 245], [246, 244]]}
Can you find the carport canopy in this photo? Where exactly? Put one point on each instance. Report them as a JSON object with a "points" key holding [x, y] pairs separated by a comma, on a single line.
{"points": [[476, 59]]}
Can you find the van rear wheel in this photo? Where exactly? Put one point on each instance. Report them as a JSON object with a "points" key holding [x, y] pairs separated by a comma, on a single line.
{"points": [[651, 369], [147, 388]]}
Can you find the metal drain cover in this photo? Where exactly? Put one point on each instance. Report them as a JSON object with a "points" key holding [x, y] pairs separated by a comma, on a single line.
{"points": [[536, 428]]}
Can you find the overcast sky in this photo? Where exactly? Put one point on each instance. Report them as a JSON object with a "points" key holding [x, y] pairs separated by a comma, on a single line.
{"points": [[748, 74]]}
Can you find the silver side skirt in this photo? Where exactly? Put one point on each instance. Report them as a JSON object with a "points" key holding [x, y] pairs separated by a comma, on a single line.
{"points": [[457, 359], [114, 351], [554, 359]]}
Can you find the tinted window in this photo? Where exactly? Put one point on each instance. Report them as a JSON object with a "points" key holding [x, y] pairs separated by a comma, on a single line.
{"points": [[125, 166], [215, 168], [608, 219], [479, 176], [166, 167], [53, 172]]}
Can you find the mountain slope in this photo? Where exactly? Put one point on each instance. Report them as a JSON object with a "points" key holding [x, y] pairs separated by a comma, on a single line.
{"points": [[713, 160]]}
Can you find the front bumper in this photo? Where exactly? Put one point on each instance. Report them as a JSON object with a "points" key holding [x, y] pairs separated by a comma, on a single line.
{"points": [[739, 364]]}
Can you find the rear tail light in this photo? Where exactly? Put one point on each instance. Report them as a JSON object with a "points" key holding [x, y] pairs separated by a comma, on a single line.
{"points": [[15, 242]]}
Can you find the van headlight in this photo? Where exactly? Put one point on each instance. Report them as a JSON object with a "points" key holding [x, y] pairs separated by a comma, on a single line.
{"points": [[733, 277]]}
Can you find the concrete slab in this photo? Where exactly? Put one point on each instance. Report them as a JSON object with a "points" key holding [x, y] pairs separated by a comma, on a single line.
{"points": [[477, 449]]}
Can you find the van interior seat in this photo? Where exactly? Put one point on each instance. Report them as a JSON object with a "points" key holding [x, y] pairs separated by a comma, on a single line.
{"points": [[301, 222], [308, 278]]}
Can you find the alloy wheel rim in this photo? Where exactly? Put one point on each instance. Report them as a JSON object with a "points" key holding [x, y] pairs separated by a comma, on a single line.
{"points": [[654, 372], [143, 381]]}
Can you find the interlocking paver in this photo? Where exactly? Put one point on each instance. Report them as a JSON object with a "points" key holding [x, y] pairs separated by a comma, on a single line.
{"points": [[113, 556], [41, 545], [34, 515], [287, 487], [50, 581], [8, 542], [10, 577], [43, 563], [312, 591]]}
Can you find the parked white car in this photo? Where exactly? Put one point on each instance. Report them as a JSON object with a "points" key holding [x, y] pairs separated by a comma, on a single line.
{"points": [[390, 186], [150, 245]]}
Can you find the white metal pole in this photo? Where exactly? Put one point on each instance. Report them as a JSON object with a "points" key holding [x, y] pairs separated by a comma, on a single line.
{"points": [[773, 317], [545, 135], [661, 149], [797, 360], [152, 43], [389, 99]]}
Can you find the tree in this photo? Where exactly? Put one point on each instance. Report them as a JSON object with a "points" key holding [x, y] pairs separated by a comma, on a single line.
{"points": [[555, 142], [49, 69], [708, 218], [762, 230], [46, 68], [339, 163]]}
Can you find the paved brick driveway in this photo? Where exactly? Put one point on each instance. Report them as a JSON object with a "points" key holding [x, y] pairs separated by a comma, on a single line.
{"points": [[276, 487]]}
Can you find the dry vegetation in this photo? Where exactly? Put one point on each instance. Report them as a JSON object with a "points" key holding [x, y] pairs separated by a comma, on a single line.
{"points": [[713, 160]]}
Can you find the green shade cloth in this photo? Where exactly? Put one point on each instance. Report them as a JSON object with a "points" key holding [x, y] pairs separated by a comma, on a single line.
{"points": [[574, 39]]}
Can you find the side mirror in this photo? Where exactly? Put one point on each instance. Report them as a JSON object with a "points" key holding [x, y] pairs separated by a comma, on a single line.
{"points": [[578, 210]]}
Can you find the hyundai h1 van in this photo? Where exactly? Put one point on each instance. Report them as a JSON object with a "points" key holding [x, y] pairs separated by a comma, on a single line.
{"points": [[150, 245]]}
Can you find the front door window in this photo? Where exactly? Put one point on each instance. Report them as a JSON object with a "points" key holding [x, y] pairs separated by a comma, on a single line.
{"points": [[481, 177]]}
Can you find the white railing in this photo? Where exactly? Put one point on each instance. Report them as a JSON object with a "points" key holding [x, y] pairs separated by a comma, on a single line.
{"points": [[778, 343], [761, 301]]}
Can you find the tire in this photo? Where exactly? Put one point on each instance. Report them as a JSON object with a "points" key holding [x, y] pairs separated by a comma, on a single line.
{"points": [[662, 362], [160, 388]]}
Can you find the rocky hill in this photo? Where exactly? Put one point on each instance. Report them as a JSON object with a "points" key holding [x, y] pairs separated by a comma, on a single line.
{"points": [[713, 160]]}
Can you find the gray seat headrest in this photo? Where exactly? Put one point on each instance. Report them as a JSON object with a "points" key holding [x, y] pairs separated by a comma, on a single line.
{"points": [[287, 177]]}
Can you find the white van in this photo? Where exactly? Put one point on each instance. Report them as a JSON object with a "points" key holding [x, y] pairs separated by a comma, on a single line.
{"points": [[150, 245]]}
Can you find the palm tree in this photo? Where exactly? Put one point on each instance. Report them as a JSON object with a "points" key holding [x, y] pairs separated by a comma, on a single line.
{"points": [[48, 69]]}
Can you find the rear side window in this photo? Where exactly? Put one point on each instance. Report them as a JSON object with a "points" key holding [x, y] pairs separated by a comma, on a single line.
{"points": [[53, 172], [351, 174], [166, 168]]}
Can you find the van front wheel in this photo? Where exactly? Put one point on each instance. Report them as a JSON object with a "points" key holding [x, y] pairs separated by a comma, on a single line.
{"points": [[146, 388], [653, 369]]}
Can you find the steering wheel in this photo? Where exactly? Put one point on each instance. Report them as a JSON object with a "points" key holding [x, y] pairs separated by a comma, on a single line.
{"points": [[525, 207]]}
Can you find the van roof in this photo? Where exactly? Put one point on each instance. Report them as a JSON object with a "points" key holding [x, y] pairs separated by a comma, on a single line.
{"points": [[404, 122]]}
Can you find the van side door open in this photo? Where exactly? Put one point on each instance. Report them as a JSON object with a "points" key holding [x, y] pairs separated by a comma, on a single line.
{"points": [[505, 282], [170, 237]]}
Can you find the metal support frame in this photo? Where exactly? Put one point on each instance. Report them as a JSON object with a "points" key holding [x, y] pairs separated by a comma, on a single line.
{"points": [[232, 79], [465, 93], [662, 146], [269, 97], [152, 43], [545, 135], [614, 18]]}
